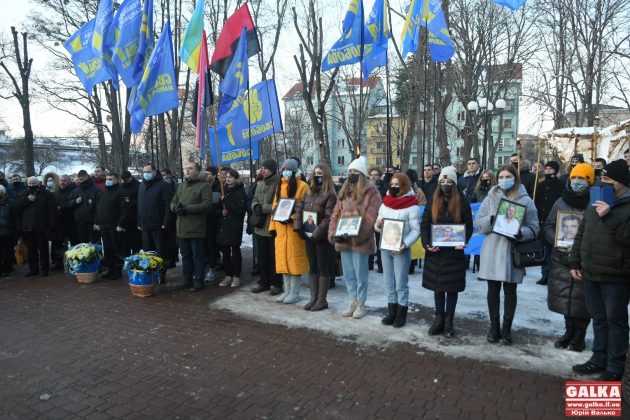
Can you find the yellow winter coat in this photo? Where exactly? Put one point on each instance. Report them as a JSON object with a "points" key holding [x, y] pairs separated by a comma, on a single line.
{"points": [[290, 248]]}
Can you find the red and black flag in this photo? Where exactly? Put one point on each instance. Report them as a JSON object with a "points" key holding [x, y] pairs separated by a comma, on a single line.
{"points": [[228, 40]]}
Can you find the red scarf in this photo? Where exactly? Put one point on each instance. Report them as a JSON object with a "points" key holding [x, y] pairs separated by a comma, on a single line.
{"points": [[398, 203]]}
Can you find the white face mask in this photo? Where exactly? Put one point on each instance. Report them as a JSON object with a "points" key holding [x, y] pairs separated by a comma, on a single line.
{"points": [[287, 174]]}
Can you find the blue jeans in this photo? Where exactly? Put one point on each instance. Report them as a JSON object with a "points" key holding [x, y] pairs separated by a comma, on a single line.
{"points": [[193, 260], [355, 274], [607, 303], [396, 274]]}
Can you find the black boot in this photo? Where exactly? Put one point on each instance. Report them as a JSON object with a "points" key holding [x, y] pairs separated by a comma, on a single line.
{"points": [[449, 331], [322, 292], [506, 332], [332, 285], [438, 324], [313, 285], [391, 314], [494, 332], [412, 267], [577, 341], [401, 317], [563, 341]]}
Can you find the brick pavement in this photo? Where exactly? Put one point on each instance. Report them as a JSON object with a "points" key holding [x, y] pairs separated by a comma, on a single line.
{"points": [[99, 352]]}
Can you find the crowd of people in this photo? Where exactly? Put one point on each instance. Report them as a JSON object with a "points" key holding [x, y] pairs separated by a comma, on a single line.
{"points": [[314, 227]]}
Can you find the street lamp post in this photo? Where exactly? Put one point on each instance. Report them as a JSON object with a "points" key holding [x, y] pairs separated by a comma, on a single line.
{"points": [[485, 107]]}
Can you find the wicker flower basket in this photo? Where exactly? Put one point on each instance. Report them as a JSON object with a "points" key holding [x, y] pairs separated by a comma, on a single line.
{"points": [[85, 277], [142, 291], [143, 284]]}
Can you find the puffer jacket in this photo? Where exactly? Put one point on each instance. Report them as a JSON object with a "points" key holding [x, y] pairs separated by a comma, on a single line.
{"points": [[231, 226], [410, 215], [564, 294], [602, 246], [264, 196], [196, 196], [496, 251], [289, 246], [321, 203], [39, 215], [363, 243], [445, 270]]}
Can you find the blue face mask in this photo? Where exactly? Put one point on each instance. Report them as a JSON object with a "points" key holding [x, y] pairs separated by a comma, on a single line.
{"points": [[148, 176], [506, 184], [109, 183], [287, 174], [49, 184]]}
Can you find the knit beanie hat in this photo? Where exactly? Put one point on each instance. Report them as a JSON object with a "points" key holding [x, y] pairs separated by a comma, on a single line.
{"points": [[360, 164], [270, 164], [579, 157], [290, 165], [448, 172], [585, 171], [553, 165], [618, 170], [83, 175]]}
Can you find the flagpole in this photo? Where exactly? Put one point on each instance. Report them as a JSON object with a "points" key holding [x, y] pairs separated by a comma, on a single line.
{"points": [[424, 111], [389, 160], [151, 139], [360, 125], [435, 86]]}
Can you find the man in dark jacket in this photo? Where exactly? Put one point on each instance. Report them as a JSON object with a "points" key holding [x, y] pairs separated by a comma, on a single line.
{"points": [[191, 203], [154, 198], [65, 227], [130, 186], [83, 201], [100, 174], [38, 213], [547, 193], [214, 216], [111, 219], [7, 229], [429, 182], [575, 159], [467, 182], [17, 187], [600, 257]]}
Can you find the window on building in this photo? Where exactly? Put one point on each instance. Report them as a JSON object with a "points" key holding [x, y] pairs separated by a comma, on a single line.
{"points": [[380, 161], [341, 143], [508, 105], [341, 160], [414, 159], [507, 123], [309, 144], [309, 160], [461, 116], [381, 145]]}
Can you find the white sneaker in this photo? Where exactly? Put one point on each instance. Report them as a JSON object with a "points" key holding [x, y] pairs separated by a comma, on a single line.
{"points": [[227, 280], [353, 305], [359, 311], [210, 276], [236, 282]]}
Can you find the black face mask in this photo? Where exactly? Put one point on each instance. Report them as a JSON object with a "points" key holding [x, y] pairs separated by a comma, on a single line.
{"points": [[319, 180], [447, 189], [598, 172], [16, 184], [353, 178], [550, 177], [486, 183], [33, 190], [394, 191]]}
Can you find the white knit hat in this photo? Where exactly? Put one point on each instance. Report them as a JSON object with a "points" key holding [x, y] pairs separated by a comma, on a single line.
{"points": [[360, 164], [450, 173]]}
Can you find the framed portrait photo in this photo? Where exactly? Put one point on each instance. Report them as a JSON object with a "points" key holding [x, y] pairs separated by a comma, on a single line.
{"points": [[349, 225], [283, 209], [448, 235], [567, 224], [392, 234], [309, 222], [509, 217]]}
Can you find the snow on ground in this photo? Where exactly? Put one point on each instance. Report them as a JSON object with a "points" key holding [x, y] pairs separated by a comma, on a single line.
{"points": [[533, 329]]}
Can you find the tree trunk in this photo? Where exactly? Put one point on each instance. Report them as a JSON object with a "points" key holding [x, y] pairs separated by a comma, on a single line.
{"points": [[163, 158]]}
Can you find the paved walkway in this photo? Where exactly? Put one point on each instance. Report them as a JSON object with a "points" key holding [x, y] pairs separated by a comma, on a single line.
{"points": [[69, 350]]}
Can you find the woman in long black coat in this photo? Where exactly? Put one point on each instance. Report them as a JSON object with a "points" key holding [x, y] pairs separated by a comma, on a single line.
{"points": [[230, 234], [445, 268]]}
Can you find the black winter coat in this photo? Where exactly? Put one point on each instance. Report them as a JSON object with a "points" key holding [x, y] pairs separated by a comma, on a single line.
{"points": [[7, 223], [467, 184], [231, 226], [564, 294], [131, 194], [428, 188], [66, 214], [528, 179], [547, 193], [85, 212], [39, 215], [215, 214], [445, 270], [112, 208], [154, 200]]}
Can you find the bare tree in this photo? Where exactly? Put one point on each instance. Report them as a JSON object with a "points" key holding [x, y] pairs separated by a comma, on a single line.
{"points": [[21, 93]]}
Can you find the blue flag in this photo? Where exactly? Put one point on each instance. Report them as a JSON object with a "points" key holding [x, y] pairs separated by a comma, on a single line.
{"points": [[124, 37], [145, 41], [440, 43], [157, 91], [348, 49], [257, 113], [236, 78], [411, 28], [377, 26], [90, 69], [228, 152], [103, 22], [512, 4]]}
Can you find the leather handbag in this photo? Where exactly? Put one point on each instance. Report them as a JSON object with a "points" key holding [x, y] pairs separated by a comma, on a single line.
{"points": [[528, 254]]}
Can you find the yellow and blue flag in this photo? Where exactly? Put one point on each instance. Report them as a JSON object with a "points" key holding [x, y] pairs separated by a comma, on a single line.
{"points": [[157, 91], [236, 78], [512, 4], [102, 24], [349, 48], [191, 44], [124, 36], [411, 28], [145, 41], [377, 27], [90, 69], [257, 113], [440, 43], [228, 153]]}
